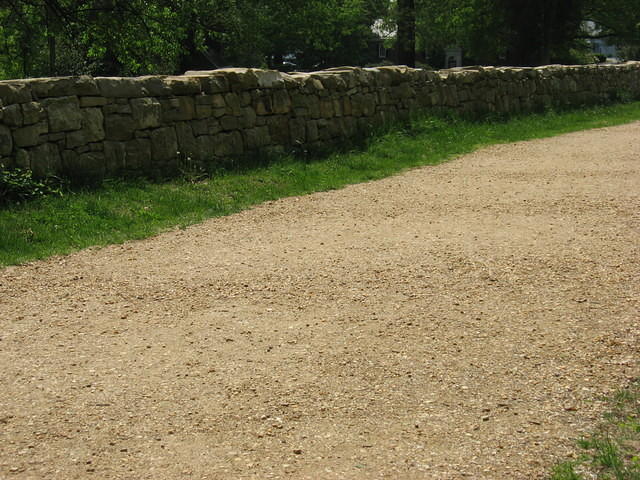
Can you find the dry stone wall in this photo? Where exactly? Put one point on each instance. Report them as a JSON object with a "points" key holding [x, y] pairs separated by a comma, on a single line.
{"points": [[95, 127]]}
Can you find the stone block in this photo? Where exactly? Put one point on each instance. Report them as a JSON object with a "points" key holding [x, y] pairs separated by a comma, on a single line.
{"points": [[206, 147], [229, 122], [138, 155], [92, 101], [164, 144], [232, 101], [63, 86], [204, 111], [119, 127], [297, 128], [263, 106], [122, 109], [30, 135], [85, 167], [204, 99], [12, 115], [279, 129], [92, 128], [146, 112], [32, 112], [120, 87], [245, 99], [200, 127], [312, 131], [228, 144], [269, 78], [178, 109], [215, 84], [256, 138], [63, 113], [281, 102], [248, 117], [114, 156], [23, 158], [45, 159], [6, 141], [187, 145], [183, 85], [14, 92]]}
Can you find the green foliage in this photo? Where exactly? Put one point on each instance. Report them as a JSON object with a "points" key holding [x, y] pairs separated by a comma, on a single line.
{"points": [[18, 185]]}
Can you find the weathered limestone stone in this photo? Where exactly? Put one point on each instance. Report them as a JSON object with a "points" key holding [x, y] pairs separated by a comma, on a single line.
{"points": [[118, 108], [187, 145], [228, 144], [213, 126], [256, 138], [23, 159], [199, 127], [6, 141], [184, 85], [248, 117], [281, 101], [14, 92], [279, 129], [45, 159], [92, 101], [218, 101], [204, 111], [263, 106], [178, 109], [119, 127], [63, 86], [32, 112], [146, 112], [233, 103], [269, 78], [138, 154], [30, 135], [298, 131], [245, 99], [119, 87], [12, 115], [63, 113], [229, 123], [206, 147], [114, 156], [204, 99], [312, 131], [86, 167], [215, 84], [92, 128], [164, 144]]}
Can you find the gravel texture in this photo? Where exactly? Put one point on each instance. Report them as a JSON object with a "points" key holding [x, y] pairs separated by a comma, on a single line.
{"points": [[458, 321]]}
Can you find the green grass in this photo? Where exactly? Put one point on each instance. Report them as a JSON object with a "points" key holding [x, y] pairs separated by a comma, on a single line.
{"points": [[122, 210], [612, 452]]}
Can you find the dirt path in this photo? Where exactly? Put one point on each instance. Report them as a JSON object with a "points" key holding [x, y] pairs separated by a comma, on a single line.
{"points": [[458, 321]]}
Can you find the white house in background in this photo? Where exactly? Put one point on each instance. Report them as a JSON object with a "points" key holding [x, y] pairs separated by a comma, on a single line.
{"points": [[600, 45], [453, 57]]}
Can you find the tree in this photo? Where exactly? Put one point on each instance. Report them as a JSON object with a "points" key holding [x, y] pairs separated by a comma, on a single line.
{"points": [[406, 39]]}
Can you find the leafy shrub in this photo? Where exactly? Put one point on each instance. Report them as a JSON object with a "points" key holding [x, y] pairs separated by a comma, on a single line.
{"points": [[18, 185]]}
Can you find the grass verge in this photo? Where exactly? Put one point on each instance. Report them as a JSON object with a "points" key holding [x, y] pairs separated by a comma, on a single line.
{"points": [[123, 210], [612, 452]]}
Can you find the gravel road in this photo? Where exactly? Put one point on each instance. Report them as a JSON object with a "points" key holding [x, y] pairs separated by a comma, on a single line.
{"points": [[457, 321]]}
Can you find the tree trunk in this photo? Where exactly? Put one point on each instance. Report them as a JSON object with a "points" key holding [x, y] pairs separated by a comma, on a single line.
{"points": [[406, 43]]}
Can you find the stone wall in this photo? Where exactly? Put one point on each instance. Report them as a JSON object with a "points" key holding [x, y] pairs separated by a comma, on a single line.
{"points": [[92, 127]]}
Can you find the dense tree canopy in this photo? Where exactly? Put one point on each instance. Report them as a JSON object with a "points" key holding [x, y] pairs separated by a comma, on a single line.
{"points": [[128, 37]]}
